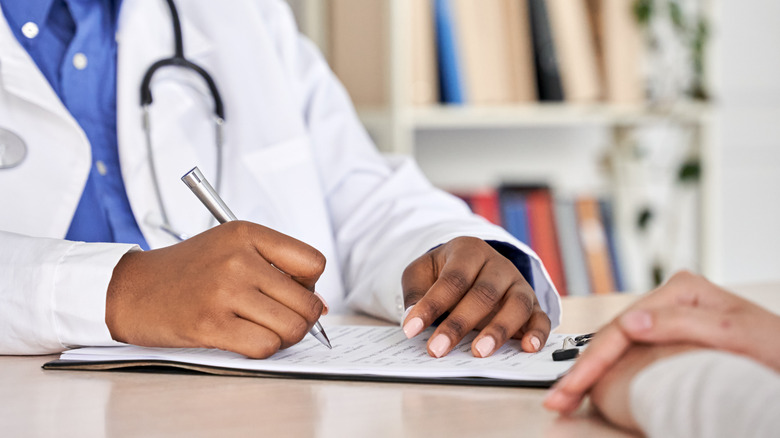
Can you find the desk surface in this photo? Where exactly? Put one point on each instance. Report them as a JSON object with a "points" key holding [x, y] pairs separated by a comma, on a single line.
{"points": [[35, 402]]}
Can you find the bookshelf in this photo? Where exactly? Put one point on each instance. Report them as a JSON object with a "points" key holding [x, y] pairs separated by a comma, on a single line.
{"points": [[396, 122]]}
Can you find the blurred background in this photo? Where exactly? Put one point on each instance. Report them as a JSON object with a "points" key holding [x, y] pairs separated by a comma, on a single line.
{"points": [[623, 139]]}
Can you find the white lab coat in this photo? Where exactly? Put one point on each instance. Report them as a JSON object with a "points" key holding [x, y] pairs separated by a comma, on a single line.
{"points": [[296, 160]]}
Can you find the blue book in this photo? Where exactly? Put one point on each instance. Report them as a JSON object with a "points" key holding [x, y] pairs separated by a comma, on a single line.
{"points": [[609, 230], [514, 210], [450, 69]]}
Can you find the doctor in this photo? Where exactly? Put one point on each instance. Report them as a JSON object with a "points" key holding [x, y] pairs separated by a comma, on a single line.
{"points": [[90, 216]]}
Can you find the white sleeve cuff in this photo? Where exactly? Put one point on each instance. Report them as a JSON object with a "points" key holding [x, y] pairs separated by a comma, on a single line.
{"points": [[79, 298]]}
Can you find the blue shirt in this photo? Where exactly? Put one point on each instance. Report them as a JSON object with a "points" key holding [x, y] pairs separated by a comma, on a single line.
{"points": [[73, 44]]}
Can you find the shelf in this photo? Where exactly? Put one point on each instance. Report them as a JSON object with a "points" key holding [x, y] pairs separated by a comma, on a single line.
{"points": [[532, 115]]}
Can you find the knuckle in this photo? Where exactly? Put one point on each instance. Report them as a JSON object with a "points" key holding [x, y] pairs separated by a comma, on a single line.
{"points": [[500, 332], [233, 265], [316, 261], [266, 349], [207, 326], [486, 294], [413, 296], [296, 330], [457, 325], [313, 308], [456, 281], [526, 302]]}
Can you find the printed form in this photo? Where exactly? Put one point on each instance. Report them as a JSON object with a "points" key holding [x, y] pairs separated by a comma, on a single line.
{"points": [[360, 351]]}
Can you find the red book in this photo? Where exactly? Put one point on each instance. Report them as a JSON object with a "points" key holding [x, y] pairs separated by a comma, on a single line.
{"points": [[544, 236], [485, 203]]}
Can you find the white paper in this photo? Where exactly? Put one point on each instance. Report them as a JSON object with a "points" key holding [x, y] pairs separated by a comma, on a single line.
{"points": [[361, 351]]}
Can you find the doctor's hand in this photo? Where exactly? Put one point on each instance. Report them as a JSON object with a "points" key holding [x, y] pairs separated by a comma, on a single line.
{"points": [[219, 289], [481, 289], [687, 310]]}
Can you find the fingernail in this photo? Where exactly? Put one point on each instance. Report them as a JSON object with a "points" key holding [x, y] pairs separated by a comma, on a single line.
{"points": [[637, 321], [326, 308], [406, 313], [439, 345], [536, 343], [485, 346], [413, 327]]}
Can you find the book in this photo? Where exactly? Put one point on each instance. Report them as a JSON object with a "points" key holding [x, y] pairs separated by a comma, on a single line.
{"points": [[595, 246], [485, 203], [424, 74], [483, 43], [521, 52], [368, 353], [607, 218], [548, 80], [358, 49], [574, 47], [577, 280], [621, 51], [514, 214], [544, 238], [452, 87]]}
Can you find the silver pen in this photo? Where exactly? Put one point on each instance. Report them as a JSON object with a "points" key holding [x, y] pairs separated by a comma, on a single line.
{"points": [[200, 186]]}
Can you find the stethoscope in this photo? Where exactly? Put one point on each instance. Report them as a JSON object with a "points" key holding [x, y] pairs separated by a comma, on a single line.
{"points": [[179, 60], [13, 149]]}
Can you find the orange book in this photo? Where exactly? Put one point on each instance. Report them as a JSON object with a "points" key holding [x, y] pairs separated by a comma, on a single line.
{"points": [[595, 246], [544, 237]]}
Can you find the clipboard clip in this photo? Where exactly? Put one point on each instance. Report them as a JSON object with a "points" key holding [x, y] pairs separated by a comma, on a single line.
{"points": [[569, 350]]}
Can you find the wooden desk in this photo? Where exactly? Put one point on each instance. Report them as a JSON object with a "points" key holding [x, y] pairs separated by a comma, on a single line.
{"points": [[34, 402]]}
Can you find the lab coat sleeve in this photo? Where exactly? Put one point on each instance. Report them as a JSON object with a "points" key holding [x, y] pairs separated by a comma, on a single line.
{"points": [[384, 212], [706, 393], [53, 293]]}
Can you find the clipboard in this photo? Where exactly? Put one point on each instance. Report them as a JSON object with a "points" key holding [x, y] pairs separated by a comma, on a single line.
{"points": [[360, 353]]}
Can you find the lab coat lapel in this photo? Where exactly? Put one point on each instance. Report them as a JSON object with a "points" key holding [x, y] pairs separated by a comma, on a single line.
{"points": [[64, 162], [145, 35], [21, 77]]}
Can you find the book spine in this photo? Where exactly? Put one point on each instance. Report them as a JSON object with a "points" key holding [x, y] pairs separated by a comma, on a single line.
{"points": [[450, 74], [548, 80]]}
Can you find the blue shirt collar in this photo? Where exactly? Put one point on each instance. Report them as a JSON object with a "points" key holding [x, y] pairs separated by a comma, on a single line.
{"points": [[20, 12]]}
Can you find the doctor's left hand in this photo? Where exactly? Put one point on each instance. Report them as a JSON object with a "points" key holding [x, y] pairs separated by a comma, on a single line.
{"points": [[481, 289]]}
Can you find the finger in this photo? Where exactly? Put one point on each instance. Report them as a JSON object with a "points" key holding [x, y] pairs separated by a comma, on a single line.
{"points": [[536, 330], [515, 311], [603, 352], [417, 278], [454, 280], [263, 310], [300, 261], [692, 325], [488, 293], [247, 338], [287, 291]]}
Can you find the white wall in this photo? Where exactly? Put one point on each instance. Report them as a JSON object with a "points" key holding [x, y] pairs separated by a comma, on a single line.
{"points": [[746, 75]]}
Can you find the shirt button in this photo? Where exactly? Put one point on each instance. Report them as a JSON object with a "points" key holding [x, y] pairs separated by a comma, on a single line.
{"points": [[101, 168], [80, 61], [30, 30]]}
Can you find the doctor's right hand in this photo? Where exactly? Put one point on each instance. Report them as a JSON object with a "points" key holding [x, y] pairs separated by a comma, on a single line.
{"points": [[219, 289]]}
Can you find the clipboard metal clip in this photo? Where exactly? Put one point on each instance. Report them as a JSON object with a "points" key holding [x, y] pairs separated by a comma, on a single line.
{"points": [[570, 348]]}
